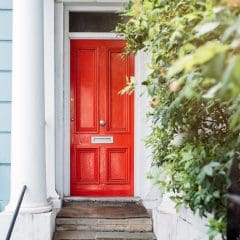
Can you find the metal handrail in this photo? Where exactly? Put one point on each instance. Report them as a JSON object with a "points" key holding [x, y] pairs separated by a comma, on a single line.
{"points": [[14, 218]]}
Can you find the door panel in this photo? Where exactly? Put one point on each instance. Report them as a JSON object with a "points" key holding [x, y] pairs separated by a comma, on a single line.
{"points": [[98, 73], [86, 90], [87, 166], [117, 166], [118, 105]]}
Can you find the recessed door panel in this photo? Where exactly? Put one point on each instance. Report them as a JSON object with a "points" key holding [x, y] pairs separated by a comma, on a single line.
{"points": [[117, 166], [101, 119], [86, 89], [118, 105], [87, 166]]}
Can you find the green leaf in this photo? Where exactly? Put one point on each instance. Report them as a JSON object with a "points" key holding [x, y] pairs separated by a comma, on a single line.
{"points": [[202, 55]]}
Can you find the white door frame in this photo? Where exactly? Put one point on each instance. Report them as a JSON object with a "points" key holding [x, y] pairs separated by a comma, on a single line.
{"points": [[62, 81]]}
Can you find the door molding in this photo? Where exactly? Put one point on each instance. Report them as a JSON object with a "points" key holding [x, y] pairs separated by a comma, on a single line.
{"points": [[67, 37], [62, 88], [95, 35]]}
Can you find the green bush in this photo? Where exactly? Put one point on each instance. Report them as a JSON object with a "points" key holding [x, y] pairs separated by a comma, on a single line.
{"points": [[194, 87]]}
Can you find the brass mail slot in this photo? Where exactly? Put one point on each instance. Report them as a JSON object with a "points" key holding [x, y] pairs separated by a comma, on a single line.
{"points": [[105, 139]]}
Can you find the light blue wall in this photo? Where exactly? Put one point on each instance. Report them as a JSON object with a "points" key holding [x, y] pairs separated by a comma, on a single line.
{"points": [[5, 98]]}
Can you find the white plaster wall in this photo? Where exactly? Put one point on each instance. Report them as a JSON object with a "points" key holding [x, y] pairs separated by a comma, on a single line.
{"points": [[142, 155], [181, 226], [29, 226]]}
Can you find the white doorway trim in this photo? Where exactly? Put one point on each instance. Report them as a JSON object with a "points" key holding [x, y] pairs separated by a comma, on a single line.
{"points": [[62, 69], [95, 35]]}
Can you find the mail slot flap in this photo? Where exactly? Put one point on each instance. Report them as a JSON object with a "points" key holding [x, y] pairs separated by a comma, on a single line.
{"points": [[105, 139]]}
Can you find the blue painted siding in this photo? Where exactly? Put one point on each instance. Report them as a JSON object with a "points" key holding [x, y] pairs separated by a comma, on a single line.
{"points": [[5, 116], [5, 98], [5, 148], [6, 55], [5, 86], [4, 185], [5, 4], [5, 30]]}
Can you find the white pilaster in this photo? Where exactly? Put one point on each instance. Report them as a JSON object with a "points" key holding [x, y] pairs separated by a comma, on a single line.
{"points": [[28, 121], [49, 89]]}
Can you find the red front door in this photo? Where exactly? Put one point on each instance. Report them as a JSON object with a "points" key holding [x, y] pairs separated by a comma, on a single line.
{"points": [[101, 119]]}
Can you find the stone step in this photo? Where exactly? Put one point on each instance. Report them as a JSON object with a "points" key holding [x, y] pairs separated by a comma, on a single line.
{"points": [[110, 210], [104, 225], [103, 220], [84, 235], [100, 200]]}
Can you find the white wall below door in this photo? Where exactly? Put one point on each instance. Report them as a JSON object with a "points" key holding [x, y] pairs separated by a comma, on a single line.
{"points": [[169, 225]]}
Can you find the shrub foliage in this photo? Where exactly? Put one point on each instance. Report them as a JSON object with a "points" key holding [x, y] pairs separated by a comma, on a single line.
{"points": [[194, 85]]}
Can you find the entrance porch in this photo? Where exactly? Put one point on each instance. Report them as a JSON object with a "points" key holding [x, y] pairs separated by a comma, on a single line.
{"points": [[41, 131]]}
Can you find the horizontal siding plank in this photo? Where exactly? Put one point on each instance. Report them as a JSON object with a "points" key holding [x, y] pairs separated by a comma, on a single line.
{"points": [[5, 25], [5, 116], [6, 55], [3, 204], [5, 4], [5, 86], [5, 140], [4, 182]]}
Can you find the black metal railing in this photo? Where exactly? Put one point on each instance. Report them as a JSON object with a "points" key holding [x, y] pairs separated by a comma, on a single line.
{"points": [[14, 218]]}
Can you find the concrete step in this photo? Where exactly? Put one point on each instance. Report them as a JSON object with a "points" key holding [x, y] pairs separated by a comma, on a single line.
{"points": [[84, 235], [104, 225]]}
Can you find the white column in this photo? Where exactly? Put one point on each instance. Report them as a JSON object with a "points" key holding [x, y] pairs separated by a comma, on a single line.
{"points": [[28, 121]]}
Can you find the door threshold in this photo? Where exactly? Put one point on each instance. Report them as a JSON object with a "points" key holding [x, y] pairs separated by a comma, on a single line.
{"points": [[102, 199]]}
